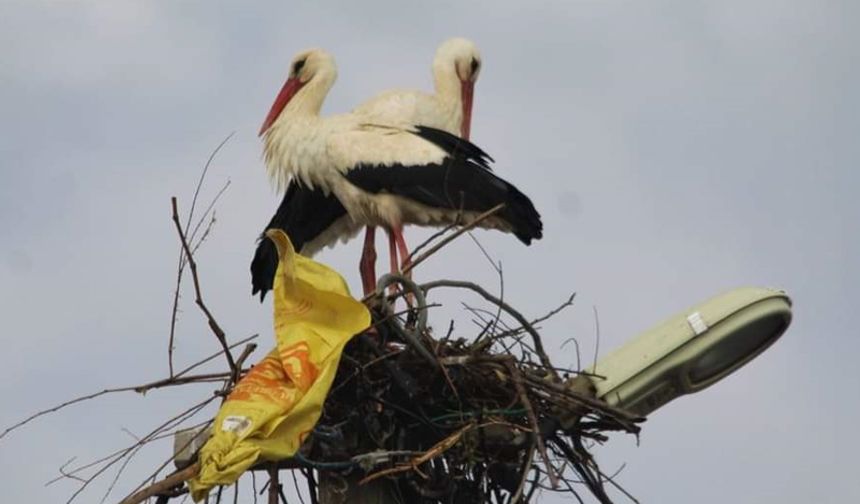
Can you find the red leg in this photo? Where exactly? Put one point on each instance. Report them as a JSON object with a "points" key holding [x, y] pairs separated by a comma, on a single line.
{"points": [[392, 257], [367, 265], [392, 252], [397, 237], [401, 246]]}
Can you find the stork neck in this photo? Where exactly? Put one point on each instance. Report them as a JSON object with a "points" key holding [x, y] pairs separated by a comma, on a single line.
{"points": [[309, 100], [447, 82]]}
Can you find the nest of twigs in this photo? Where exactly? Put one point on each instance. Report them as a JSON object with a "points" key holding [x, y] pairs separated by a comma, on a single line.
{"points": [[450, 420], [412, 416]]}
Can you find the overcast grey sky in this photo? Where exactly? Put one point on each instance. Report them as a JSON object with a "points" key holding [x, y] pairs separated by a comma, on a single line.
{"points": [[676, 149]]}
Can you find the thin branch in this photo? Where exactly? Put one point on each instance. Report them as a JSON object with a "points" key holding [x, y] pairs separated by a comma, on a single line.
{"points": [[536, 340], [433, 237], [517, 378], [55, 408], [515, 498], [209, 209], [296, 484], [163, 485], [166, 425], [556, 310], [596, 339], [576, 346], [172, 457], [136, 388], [448, 239], [68, 474], [213, 324], [203, 177], [216, 354], [274, 486], [109, 456], [611, 480], [181, 266]]}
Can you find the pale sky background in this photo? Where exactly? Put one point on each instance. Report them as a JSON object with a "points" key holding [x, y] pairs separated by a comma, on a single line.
{"points": [[676, 149]]}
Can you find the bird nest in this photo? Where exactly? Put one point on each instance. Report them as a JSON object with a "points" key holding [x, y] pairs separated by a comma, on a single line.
{"points": [[411, 416], [451, 419]]}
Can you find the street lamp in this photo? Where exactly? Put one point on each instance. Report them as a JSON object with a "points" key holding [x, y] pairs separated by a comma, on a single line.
{"points": [[693, 350]]}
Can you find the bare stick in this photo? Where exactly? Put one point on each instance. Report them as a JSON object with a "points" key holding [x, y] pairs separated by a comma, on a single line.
{"points": [[434, 451], [538, 344], [448, 239], [71, 474], [597, 339], [434, 236], [611, 480], [55, 408], [203, 177], [166, 425], [515, 498], [181, 266], [624, 418], [530, 412], [163, 485], [213, 324], [68, 474], [209, 209], [170, 459], [166, 382], [174, 312], [274, 486], [296, 485], [556, 310]]}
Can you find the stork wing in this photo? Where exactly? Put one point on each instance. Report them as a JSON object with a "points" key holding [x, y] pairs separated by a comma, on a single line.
{"points": [[378, 145], [407, 106], [304, 215], [439, 170], [390, 106]]}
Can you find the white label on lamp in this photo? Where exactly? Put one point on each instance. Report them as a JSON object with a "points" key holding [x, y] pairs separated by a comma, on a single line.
{"points": [[697, 323]]}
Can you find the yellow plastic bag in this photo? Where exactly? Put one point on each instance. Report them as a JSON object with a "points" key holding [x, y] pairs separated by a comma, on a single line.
{"points": [[272, 410]]}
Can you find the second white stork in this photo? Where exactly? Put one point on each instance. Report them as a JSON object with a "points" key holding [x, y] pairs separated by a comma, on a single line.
{"points": [[383, 175], [456, 66]]}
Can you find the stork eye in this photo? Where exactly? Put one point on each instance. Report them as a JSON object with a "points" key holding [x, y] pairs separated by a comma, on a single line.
{"points": [[297, 67], [475, 65]]}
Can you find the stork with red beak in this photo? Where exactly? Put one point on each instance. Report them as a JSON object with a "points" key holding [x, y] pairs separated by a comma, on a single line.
{"points": [[456, 67], [381, 174]]}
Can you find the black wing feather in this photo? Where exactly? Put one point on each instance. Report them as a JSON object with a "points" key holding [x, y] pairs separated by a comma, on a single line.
{"points": [[462, 181], [303, 214]]}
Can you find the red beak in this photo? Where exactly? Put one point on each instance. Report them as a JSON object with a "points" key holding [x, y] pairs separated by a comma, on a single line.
{"points": [[467, 89], [291, 87]]}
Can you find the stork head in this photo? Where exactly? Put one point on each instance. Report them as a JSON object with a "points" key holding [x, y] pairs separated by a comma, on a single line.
{"points": [[312, 73], [455, 70]]}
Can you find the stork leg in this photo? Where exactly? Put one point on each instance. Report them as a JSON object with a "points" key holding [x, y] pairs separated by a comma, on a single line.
{"points": [[392, 258], [404, 251], [396, 244], [367, 264]]}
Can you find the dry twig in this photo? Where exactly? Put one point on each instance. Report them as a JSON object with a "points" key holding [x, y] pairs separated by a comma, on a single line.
{"points": [[213, 324]]}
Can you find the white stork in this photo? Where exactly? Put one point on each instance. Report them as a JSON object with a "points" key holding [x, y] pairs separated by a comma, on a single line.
{"points": [[456, 66], [379, 175]]}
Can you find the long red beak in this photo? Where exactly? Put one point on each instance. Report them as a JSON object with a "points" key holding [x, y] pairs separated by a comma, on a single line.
{"points": [[291, 87], [467, 90]]}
